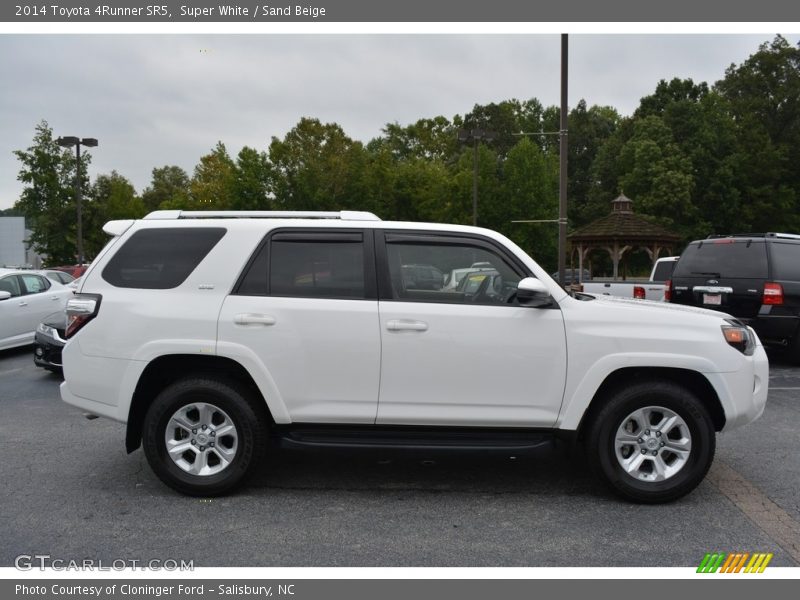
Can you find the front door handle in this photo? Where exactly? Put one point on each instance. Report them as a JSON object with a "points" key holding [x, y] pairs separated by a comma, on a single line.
{"points": [[254, 319], [53, 298], [23, 304], [406, 325]]}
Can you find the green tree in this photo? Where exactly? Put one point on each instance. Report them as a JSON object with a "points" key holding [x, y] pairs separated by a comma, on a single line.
{"points": [[251, 181], [169, 186], [764, 97], [112, 197], [48, 196], [213, 185], [317, 167]]}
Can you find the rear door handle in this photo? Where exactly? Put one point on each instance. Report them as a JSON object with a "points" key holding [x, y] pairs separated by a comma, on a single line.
{"points": [[53, 298], [23, 304], [406, 325], [254, 319]]}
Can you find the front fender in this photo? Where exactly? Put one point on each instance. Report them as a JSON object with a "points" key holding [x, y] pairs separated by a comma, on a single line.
{"points": [[578, 397]]}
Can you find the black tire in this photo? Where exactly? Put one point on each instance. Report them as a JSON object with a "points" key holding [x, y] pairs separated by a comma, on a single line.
{"points": [[237, 401], [601, 441]]}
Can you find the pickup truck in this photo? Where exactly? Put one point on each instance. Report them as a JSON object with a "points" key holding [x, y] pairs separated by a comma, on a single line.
{"points": [[650, 289]]}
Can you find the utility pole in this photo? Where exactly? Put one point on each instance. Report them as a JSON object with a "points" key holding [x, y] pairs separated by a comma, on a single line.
{"points": [[474, 136], [562, 184]]}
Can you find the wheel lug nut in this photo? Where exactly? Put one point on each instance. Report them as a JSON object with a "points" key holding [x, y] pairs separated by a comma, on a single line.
{"points": [[644, 451], [203, 448], [641, 441], [194, 430], [647, 432], [663, 444], [655, 453], [213, 434], [658, 434], [193, 442], [204, 427], [211, 444]]}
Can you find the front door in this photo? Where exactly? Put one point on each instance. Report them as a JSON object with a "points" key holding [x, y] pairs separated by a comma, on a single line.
{"points": [[456, 347]]}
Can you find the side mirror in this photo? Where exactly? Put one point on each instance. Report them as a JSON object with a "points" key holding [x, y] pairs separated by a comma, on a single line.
{"points": [[4, 295], [532, 292]]}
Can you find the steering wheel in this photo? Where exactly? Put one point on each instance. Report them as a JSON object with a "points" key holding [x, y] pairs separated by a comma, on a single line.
{"points": [[482, 288]]}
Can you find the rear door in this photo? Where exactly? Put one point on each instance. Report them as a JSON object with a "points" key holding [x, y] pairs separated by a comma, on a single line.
{"points": [[307, 308], [726, 274]]}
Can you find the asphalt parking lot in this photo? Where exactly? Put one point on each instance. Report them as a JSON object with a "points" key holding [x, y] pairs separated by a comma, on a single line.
{"points": [[70, 490]]}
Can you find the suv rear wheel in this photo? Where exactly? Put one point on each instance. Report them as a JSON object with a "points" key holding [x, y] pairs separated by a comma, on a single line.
{"points": [[652, 442], [202, 435]]}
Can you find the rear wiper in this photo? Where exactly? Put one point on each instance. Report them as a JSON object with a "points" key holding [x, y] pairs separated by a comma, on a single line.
{"points": [[707, 273]]}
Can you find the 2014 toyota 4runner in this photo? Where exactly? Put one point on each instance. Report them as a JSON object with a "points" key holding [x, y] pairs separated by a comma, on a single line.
{"points": [[213, 333]]}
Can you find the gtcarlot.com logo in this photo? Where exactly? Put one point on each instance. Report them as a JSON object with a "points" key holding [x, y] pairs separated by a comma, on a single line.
{"points": [[734, 562], [28, 562]]}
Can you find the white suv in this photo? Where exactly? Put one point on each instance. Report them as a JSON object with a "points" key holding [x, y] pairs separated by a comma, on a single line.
{"points": [[212, 333]]}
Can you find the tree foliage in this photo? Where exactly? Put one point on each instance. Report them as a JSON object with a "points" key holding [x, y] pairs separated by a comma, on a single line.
{"points": [[699, 158]]}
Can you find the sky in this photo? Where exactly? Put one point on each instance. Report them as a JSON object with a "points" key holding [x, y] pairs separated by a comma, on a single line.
{"points": [[155, 100]]}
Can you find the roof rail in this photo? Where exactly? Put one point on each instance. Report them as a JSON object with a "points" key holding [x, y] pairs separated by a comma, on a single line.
{"points": [[344, 215], [771, 234]]}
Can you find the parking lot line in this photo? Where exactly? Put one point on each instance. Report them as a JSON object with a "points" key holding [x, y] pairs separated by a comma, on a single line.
{"points": [[10, 371], [783, 388], [768, 516]]}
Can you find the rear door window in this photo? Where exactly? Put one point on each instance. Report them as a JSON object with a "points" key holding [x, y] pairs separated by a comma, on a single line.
{"points": [[724, 259], [160, 259], [785, 261], [34, 284]]}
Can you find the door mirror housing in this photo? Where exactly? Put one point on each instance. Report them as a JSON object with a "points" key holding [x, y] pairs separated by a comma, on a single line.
{"points": [[4, 295], [532, 292]]}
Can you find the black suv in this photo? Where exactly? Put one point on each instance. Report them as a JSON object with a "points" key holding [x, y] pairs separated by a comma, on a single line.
{"points": [[753, 277]]}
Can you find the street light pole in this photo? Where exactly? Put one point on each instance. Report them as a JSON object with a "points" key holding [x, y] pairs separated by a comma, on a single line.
{"points": [[68, 142], [475, 135]]}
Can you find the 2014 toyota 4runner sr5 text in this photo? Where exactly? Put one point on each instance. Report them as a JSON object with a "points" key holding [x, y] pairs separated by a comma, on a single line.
{"points": [[213, 333]]}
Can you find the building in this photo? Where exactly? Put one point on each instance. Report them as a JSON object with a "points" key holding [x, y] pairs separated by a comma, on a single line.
{"points": [[14, 249]]}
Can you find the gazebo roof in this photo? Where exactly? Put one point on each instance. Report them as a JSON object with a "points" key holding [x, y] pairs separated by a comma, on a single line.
{"points": [[623, 225]]}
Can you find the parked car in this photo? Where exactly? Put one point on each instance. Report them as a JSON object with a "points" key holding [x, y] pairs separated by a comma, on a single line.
{"points": [[74, 270], [49, 341], [754, 277], [572, 276], [641, 289], [26, 298], [58, 276], [210, 336]]}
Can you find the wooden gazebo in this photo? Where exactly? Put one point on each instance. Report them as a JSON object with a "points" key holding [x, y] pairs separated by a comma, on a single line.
{"points": [[619, 233]]}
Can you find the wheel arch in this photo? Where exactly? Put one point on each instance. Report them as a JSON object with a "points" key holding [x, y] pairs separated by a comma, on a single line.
{"points": [[167, 369], [694, 381]]}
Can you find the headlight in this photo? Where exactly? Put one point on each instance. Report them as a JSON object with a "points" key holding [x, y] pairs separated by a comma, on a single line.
{"points": [[46, 330], [739, 336]]}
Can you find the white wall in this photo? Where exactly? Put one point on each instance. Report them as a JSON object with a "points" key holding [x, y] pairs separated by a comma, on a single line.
{"points": [[12, 241]]}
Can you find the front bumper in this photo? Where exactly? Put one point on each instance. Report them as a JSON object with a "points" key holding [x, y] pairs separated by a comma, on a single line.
{"points": [[47, 351], [744, 392]]}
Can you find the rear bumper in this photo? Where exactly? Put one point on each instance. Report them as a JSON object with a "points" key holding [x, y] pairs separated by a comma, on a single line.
{"points": [[774, 329], [95, 408]]}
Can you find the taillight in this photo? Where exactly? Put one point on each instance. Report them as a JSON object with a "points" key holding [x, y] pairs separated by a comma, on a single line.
{"points": [[773, 293], [638, 292], [80, 310], [667, 290]]}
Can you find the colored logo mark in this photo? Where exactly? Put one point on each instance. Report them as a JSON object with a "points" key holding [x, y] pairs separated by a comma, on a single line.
{"points": [[738, 562]]}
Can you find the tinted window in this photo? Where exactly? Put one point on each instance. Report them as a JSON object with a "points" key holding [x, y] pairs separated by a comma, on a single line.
{"points": [[10, 284], [160, 259], [254, 282], [329, 266], [725, 258], [34, 284], [785, 261], [664, 270], [449, 272]]}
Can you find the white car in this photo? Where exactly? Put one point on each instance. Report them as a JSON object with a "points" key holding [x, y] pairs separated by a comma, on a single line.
{"points": [[26, 297], [209, 333]]}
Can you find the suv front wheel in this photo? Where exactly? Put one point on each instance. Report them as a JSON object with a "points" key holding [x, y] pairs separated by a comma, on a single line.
{"points": [[202, 435], [652, 442]]}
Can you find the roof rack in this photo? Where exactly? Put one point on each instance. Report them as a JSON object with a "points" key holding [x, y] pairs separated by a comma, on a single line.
{"points": [[771, 234], [344, 215]]}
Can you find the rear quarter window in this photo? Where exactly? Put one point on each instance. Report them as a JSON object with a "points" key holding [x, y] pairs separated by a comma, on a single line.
{"points": [[724, 258], [160, 259], [785, 261]]}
